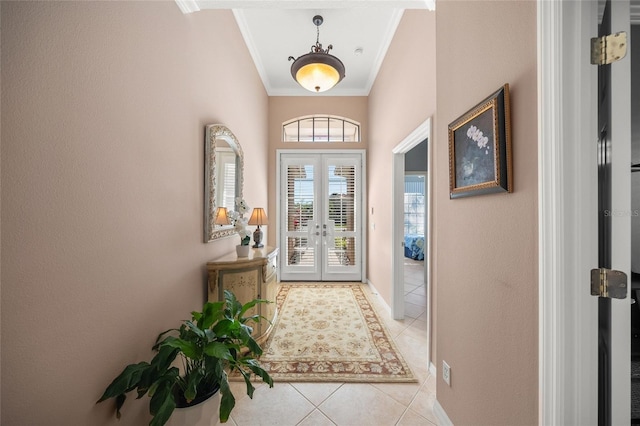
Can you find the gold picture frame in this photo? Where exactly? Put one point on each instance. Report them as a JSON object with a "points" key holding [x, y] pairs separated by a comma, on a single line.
{"points": [[480, 158]]}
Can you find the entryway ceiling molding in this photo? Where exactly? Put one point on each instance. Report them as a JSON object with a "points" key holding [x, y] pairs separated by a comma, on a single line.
{"points": [[190, 6], [360, 32]]}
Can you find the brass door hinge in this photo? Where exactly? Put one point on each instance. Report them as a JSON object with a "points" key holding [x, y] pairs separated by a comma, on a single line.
{"points": [[608, 49], [608, 283]]}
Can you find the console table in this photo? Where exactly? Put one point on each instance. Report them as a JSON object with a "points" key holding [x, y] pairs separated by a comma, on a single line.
{"points": [[252, 277]]}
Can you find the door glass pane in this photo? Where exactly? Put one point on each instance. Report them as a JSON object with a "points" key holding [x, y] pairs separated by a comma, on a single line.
{"points": [[290, 132], [336, 131], [299, 252], [341, 193], [300, 215], [343, 253], [351, 132], [414, 204], [321, 129], [306, 130]]}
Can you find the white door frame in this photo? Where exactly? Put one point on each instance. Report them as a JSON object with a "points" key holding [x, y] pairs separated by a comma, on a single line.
{"points": [[421, 133], [362, 217], [567, 209]]}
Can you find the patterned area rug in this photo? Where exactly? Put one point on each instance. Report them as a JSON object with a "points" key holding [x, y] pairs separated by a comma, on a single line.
{"points": [[330, 333]]}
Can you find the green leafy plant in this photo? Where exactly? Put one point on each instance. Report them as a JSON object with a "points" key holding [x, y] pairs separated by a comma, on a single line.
{"points": [[213, 344]]}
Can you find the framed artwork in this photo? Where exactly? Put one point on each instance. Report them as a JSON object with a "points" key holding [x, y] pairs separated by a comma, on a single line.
{"points": [[480, 148]]}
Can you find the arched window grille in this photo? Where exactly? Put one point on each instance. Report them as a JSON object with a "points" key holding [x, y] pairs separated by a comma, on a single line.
{"points": [[321, 128]]}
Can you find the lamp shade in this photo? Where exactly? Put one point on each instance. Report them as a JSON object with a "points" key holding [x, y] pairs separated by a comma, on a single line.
{"points": [[317, 72], [222, 217], [258, 217]]}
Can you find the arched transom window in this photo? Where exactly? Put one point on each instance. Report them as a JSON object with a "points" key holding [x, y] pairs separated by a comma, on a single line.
{"points": [[321, 128]]}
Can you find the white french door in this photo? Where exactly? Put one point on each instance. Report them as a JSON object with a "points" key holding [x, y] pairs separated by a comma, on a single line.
{"points": [[321, 215]]}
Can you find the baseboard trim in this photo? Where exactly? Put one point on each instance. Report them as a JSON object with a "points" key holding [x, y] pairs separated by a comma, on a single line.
{"points": [[432, 369], [377, 293], [441, 415]]}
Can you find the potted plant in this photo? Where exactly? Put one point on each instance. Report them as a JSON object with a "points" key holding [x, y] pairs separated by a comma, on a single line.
{"points": [[214, 343]]}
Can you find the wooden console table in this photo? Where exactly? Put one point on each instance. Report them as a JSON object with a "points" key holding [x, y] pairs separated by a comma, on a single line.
{"points": [[252, 277]]}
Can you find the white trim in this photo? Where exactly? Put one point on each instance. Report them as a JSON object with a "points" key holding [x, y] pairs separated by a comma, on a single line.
{"points": [[422, 132], [441, 415], [297, 92], [389, 32], [312, 4], [188, 6], [432, 369], [376, 293], [549, 213], [567, 214], [397, 233], [253, 51]]}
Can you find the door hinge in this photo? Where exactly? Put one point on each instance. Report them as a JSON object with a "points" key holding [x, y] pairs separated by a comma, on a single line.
{"points": [[608, 49], [608, 283]]}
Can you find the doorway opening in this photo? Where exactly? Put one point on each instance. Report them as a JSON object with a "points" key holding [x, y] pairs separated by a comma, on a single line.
{"points": [[415, 209], [421, 135]]}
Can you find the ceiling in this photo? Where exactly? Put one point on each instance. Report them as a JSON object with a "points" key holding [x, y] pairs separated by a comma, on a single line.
{"points": [[275, 30]]}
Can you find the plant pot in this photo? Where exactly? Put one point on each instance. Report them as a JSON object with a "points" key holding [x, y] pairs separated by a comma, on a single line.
{"points": [[243, 251], [204, 413]]}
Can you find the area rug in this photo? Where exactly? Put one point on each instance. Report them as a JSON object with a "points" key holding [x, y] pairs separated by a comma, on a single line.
{"points": [[330, 333]]}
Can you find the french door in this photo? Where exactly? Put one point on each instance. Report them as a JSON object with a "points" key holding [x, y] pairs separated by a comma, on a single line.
{"points": [[321, 215]]}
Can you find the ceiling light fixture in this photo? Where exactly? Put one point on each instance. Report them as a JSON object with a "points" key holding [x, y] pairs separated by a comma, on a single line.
{"points": [[317, 71]]}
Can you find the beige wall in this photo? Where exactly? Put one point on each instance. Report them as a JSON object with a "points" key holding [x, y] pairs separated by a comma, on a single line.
{"points": [[402, 98], [284, 108], [103, 112], [486, 247]]}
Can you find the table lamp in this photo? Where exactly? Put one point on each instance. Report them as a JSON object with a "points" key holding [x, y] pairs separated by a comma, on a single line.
{"points": [[258, 217]]}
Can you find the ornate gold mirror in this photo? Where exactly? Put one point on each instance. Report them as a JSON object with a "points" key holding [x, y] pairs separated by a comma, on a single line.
{"points": [[223, 178]]}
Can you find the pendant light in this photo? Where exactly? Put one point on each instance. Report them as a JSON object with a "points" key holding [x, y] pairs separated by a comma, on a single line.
{"points": [[318, 70]]}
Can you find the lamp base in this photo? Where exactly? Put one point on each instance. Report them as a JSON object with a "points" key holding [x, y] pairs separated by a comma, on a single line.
{"points": [[257, 238]]}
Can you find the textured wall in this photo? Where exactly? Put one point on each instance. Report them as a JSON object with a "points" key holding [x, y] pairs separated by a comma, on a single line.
{"points": [[486, 272], [402, 98], [104, 106]]}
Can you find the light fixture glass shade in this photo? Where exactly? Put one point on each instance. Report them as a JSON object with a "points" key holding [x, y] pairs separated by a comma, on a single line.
{"points": [[317, 72], [222, 217], [258, 217]]}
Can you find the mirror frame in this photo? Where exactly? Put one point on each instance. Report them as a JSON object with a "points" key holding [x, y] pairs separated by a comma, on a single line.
{"points": [[215, 132]]}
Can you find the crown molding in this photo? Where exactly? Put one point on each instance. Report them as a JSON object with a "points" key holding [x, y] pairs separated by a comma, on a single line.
{"points": [[253, 51], [390, 31], [190, 6]]}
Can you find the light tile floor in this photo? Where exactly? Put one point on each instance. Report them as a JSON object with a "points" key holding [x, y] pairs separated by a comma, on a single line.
{"points": [[354, 404], [415, 295]]}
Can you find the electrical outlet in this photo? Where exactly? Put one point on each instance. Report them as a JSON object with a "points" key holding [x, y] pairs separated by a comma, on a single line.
{"points": [[446, 373]]}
